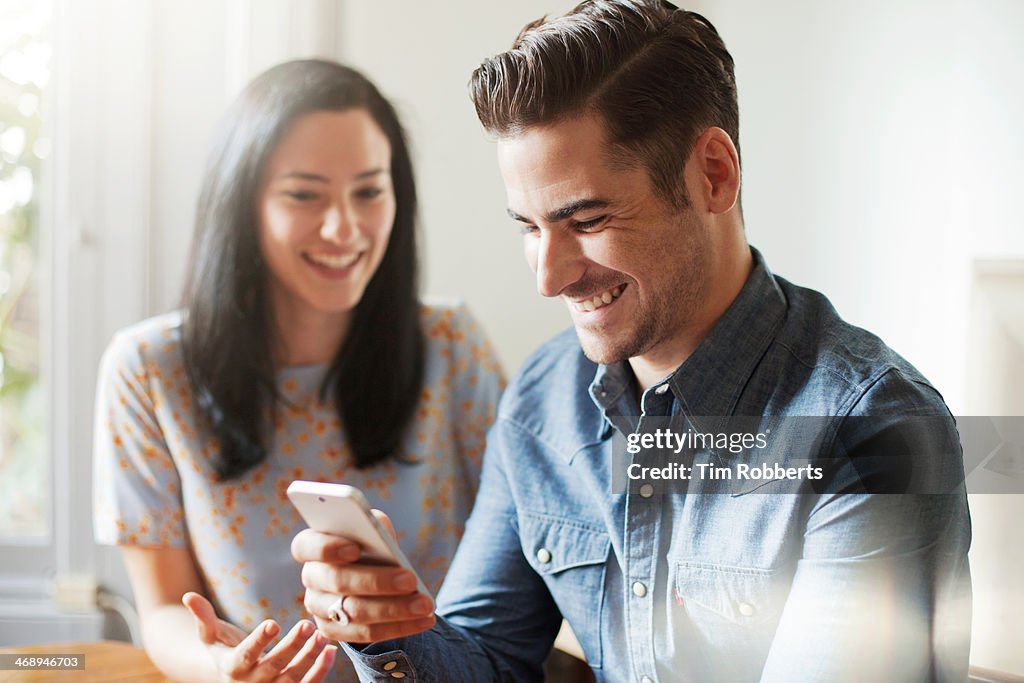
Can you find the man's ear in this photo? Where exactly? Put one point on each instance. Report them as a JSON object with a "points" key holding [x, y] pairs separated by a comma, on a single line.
{"points": [[716, 164]]}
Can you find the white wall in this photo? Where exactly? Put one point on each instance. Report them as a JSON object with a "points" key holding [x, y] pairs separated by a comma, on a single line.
{"points": [[996, 374], [879, 141]]}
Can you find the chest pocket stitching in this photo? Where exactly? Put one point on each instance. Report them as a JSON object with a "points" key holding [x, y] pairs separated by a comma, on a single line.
{"points": [[723, 589]]}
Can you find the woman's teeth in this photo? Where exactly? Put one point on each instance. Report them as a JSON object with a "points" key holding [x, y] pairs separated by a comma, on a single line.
{"points": [[599, 301], [336, 261]]}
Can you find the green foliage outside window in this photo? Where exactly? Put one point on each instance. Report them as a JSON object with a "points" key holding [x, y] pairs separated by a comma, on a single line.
{"points": [[24, 455]]}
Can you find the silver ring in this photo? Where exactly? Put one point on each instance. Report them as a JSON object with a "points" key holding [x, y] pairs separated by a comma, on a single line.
{"points": [[336, 612]]}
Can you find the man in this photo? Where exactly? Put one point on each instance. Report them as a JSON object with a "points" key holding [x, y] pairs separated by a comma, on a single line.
{"points": [[617, 129]]}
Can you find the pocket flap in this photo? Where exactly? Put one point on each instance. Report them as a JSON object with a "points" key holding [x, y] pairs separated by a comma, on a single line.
{"points": [[554, 544]]}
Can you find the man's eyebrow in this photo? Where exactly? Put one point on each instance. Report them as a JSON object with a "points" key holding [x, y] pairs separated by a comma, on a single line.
{"points": [[304, 175], [563, 212], [516, 217]]}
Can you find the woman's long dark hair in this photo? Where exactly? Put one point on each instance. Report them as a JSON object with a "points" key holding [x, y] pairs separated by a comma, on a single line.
{"points": [[377, 375]]}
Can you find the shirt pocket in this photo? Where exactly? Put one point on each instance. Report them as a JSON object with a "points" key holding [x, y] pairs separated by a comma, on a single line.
{"points": [[729, 614], [571, 558]]}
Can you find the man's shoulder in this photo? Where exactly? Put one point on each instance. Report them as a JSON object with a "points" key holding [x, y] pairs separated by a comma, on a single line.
{"points": [[556, 358], [552, 382], [826, 351]]}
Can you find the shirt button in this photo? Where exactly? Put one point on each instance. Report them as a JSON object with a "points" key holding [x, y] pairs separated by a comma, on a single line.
{"points": [[390, 665], [397, 674], [746, 609], [662, 389], [639, 590], [646, 491], [543, 555], [646, 679]]}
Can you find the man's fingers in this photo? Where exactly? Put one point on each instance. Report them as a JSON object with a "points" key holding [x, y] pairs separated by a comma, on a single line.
{"points": [[371, 610], [386, 521], [314, 546], [278, 658], [370, 633], [323, 665], [247, 653], [358, 579]]}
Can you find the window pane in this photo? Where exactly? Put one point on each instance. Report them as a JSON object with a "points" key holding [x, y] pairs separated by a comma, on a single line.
{"points": [[24, 456]]}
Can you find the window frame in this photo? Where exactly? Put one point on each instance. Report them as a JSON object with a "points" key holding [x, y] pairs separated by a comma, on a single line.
{"points": [[100, 234], [94, 257]]}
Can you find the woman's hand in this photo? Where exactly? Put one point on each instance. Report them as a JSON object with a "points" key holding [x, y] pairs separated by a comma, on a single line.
{"points": [[380, 602], [302, 655]]}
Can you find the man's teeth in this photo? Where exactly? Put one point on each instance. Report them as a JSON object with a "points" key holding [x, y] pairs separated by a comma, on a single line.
{"points": [[333, 261], [600, 300]]}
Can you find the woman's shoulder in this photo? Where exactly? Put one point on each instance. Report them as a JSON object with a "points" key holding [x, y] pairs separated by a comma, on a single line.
{"points": [[154, 340], [449, 321], [453, 334]]}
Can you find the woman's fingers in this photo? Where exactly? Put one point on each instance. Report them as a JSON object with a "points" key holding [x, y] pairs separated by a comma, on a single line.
{"points": [[358, 579], [302, 662], [303, 634], [296, 657], [314, 546], [206, 618], [247, 653], [323, 665], [211, 628]]}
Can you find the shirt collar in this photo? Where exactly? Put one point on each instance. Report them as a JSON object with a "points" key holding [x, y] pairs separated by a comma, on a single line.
{"points": [[709, 382]]}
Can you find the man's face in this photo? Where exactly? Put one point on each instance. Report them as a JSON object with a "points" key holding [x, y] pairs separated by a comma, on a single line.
{"points": [[632, 269]]}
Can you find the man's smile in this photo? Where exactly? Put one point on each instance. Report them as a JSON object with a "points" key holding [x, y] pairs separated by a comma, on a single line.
{"points": [[599, 300]]}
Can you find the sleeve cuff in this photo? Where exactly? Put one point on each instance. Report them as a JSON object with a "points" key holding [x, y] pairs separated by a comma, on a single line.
{"points": [[379, 663]]}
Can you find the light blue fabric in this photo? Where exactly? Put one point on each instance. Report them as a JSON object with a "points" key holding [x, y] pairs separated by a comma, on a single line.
{"points": [[826, 585]]}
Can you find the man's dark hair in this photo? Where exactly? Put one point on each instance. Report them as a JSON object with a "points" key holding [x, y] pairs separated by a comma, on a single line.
{"points": [[657, 76], [376, 376]]}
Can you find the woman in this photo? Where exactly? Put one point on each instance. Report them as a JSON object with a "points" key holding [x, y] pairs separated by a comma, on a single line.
{"points": [[301, 352]]}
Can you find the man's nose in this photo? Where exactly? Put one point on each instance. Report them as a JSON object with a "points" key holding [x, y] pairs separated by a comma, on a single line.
{"points": [[558, 262]]}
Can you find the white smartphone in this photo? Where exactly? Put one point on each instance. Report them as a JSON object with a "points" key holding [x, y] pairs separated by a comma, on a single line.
{"points": [[342, 510]]}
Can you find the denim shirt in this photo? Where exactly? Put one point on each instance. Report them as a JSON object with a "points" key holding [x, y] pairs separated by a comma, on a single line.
{"points": [[832, 584]]}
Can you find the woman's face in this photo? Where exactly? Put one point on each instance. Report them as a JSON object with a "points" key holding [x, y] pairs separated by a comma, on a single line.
{"points": [[326, 206]]}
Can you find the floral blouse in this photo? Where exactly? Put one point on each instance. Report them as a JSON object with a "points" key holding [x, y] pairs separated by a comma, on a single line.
{"points": [[155, 486]]}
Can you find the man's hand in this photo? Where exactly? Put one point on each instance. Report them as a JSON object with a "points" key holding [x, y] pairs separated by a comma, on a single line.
{"points": [[380, 602], [302, 655]]}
